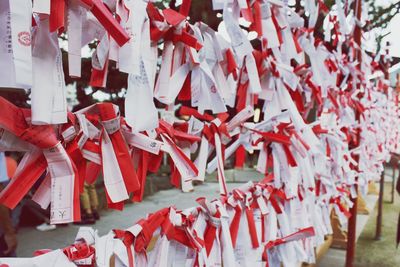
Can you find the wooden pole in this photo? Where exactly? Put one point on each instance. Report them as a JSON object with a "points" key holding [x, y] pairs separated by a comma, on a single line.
{"points": [[395, 167], [378, 232], [351, 228]]}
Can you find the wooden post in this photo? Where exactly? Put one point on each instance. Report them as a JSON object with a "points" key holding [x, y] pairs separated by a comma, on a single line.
{"points": [[378, 232], [362, 205], [351, 228], [351, 234], [339, 236], [394, 167], [372, 190]]}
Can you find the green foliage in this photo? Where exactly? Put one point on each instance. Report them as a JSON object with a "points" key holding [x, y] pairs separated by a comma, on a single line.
{"points": [[381, 16]]}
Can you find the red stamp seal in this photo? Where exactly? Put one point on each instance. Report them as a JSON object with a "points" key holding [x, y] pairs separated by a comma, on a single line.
{"points": [[24, 38]]}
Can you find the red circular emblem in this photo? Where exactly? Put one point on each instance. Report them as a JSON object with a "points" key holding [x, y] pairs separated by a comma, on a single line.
{"points": [[24, 38]]}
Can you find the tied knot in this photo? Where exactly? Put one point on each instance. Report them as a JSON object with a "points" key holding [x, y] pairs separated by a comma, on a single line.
{"points": [[270, 136], [215, 220], [50, 152], [112, 125], [301, 234], [215, 127], [276, 196], [126, 237], [81, 253], [257, 191], [69, 133], [149, 226], [175, 134]]}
